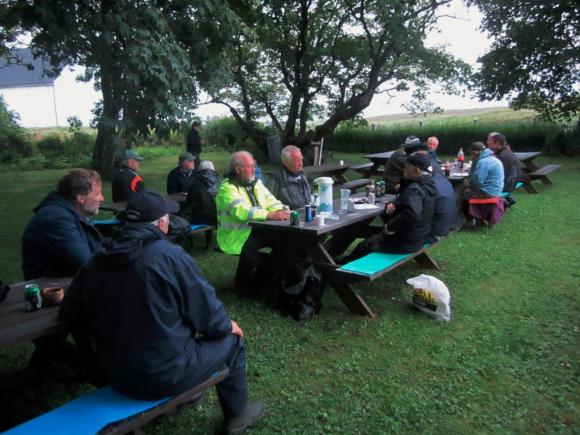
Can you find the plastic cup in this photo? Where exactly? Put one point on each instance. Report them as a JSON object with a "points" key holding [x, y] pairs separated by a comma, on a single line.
{"points": [[344, 195]]}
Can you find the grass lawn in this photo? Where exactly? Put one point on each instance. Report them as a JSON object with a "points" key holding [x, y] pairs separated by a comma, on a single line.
{"points": [[506, 363]]}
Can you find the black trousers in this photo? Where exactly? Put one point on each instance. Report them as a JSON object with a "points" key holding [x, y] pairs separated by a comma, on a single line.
{"points": [[212, 355], [251, 259]]}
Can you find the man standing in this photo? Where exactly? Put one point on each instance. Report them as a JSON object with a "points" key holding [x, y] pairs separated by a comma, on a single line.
{"points": [[193, 142], [159, 328], [288, 183], [60, 238], [240, 199], [409, 217], [127, 180], [178, 178], [511, 165]]}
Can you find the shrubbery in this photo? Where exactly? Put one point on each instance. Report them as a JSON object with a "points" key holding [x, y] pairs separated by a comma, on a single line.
{"points": [[13, 141], [522, 136]]}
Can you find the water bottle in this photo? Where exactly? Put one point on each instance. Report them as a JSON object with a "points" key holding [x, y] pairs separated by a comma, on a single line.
{"points": [[371, 192], [460, 158]]}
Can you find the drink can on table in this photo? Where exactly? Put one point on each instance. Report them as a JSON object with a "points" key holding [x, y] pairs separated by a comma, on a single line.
{"points": [[294, 218], [307, 213], [313, 211], [32, 297]]}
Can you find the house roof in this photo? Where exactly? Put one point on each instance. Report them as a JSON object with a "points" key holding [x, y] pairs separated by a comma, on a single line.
{"points": [[15, 75]]}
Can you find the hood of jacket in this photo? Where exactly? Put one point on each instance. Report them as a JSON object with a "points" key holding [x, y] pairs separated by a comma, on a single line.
{"points": [[53, 198], [207, 177], [127, 246], [486, 153]]}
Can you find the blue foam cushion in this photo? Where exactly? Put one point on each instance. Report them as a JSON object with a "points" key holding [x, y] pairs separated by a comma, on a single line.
{"points": [[196, 227], [519, 184], [373, 263], [107, 222], [86, 415]]}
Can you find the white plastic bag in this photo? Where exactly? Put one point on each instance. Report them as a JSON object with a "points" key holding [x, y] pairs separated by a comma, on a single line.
{"points": [[431, 296]]}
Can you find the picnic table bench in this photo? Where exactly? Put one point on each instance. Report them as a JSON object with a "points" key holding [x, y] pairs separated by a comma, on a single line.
{"points": [[105, 411], [120, 206], [531, 172], [378, 161]]}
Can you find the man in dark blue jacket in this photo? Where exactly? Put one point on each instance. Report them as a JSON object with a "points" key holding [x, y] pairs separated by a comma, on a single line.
{"points": [[61, 237], [159, 328], [178, 178]]}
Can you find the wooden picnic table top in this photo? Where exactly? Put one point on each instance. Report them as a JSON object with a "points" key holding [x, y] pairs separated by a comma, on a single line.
{"points": [[18, 325], [119, 206], [528, 155], [379, 157]]}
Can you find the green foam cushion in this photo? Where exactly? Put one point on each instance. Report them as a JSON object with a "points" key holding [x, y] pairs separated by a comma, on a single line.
{"points": [[373, 263]]}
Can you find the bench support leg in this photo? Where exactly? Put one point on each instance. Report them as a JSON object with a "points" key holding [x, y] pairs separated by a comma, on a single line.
{"points": [[350, 297], [545, 180], [425, 261], [529, 188]]}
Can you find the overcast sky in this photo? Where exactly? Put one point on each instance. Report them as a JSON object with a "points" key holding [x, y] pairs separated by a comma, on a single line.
{"points": [[37, 109]]}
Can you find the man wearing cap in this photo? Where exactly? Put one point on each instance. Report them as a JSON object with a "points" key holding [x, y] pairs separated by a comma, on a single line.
{"points": [[288, 183], [394, 166], [159, 329], [408, 219], [240, 199], [178, 178], [127, 180]]}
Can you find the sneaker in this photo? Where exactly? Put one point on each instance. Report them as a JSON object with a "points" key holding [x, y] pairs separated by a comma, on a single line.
{"points": [[252, 413]]}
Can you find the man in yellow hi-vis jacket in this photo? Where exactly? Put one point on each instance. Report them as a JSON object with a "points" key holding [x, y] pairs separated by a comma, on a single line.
{"points": [[242, 198]]}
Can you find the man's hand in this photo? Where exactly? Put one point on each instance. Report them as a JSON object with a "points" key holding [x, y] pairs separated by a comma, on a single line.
{"points": [[236, 330], [280, 215], [390, 209]]}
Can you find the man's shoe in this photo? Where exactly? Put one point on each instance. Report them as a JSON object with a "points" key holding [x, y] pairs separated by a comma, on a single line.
{"points": [[252, 413]]}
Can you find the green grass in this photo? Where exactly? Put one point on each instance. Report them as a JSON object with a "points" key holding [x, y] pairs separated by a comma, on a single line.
{"points": [[506, 363]]}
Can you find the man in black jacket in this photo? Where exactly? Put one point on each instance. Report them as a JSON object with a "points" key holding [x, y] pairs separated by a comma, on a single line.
{"points": [[159, 328], [409, 216], [511, 164], [288, 183], [127, 180], [178, 178]]}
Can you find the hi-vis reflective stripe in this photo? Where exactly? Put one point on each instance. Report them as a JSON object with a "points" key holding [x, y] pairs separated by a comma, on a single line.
{"points": [[233, 226], [232, 205], [135, 181], [251, 212]]}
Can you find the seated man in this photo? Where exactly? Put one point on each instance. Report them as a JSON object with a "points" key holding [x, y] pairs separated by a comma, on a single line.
{"points": [[409, 217], [203, 187], [178, 178], [485, 180], [60, 238], [433, 144], [242, 198], [288, 183], [395, 165], [159, 329], [127, 181], [511, 165]]}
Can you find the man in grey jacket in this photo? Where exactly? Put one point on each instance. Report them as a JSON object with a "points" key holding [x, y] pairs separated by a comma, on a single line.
{"points": [[289, 184]]}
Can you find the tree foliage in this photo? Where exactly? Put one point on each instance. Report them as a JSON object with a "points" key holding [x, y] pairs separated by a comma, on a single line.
{"points": [[297, 61], [535, 56], [144, 56]]}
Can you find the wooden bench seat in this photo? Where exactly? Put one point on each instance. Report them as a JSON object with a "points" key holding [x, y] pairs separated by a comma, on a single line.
{"points": [[203, 229], [105, 411], [354, 184], [539, 174], [376, 264]]}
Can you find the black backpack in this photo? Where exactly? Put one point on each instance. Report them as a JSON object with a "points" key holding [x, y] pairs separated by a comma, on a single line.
{"points": [[301, 292]]}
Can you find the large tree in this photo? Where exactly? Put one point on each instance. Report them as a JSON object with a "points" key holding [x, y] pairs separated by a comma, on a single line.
{"points": [[143, 55], [535, 55], [298, 60]]}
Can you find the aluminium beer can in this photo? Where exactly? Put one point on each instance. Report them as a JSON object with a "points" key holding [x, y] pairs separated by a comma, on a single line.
{"points": [[33, 300]]}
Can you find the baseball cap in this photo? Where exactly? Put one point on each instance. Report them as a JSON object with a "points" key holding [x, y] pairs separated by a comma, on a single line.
{"points": [[148, 206], [186, 156], [421, 161], [130, 154]]}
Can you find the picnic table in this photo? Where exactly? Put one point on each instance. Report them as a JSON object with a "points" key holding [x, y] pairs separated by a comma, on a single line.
{"points": [[321, 244], [378, 160], [531, 172], [335, 171], [119, 206], [18, 325]]}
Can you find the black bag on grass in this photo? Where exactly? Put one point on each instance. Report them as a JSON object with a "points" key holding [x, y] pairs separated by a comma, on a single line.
{"points": [[301, 292]]}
